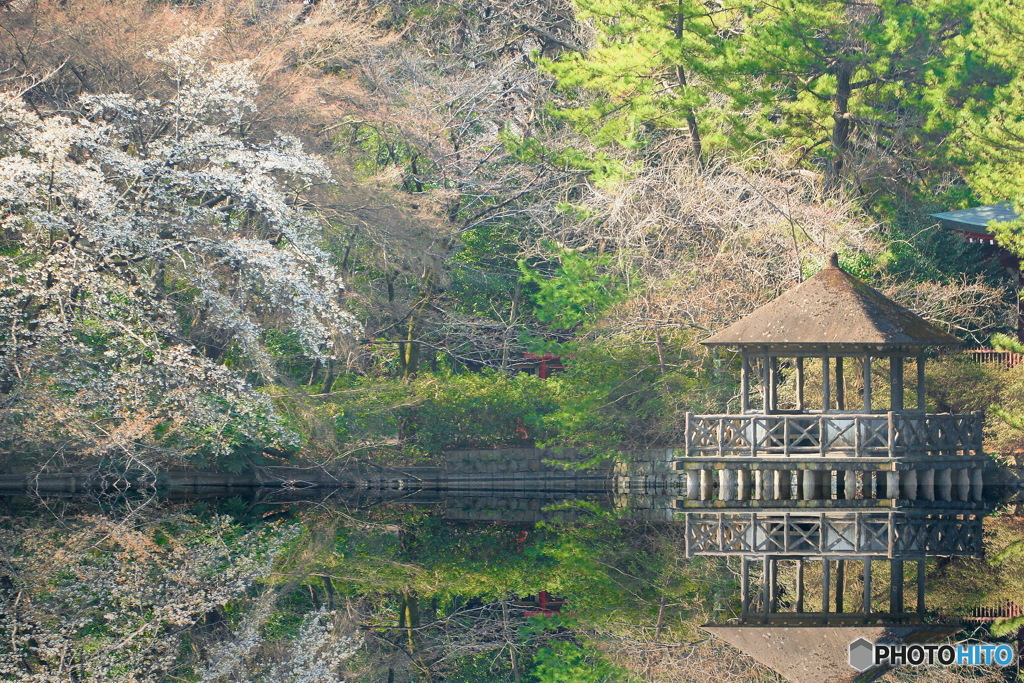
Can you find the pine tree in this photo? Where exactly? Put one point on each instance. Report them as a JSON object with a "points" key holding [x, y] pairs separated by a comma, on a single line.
{"points": [[652, 68], [846, 77], [981, 100]]}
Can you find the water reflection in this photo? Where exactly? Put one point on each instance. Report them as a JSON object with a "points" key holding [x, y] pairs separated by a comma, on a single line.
{"points": [[452, 581]]}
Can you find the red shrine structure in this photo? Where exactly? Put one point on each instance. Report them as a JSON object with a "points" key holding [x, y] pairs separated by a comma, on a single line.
{"points": [[541, 364], [972, 225]]}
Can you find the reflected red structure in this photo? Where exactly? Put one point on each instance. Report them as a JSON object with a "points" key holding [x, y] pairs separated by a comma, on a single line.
{"points": [[541, 606]]}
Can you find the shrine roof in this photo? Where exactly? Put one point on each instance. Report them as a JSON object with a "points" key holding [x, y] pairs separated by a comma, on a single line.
{"points": [[976, 219]]}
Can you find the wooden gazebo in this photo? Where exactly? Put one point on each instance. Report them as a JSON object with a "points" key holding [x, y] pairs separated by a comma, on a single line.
{"points": [[832, 316], [869, 452], [858, 477]]}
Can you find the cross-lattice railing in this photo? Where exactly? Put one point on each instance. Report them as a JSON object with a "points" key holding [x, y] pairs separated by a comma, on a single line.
{"points": [[892, 535], [892, 434]]}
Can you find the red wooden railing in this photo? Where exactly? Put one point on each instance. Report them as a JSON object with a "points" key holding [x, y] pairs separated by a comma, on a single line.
{"points": [[547, 606], [543, 364], [981, 354], [989, 613]]}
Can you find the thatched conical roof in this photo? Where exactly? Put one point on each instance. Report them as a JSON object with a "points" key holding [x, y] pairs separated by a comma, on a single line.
{"points": [[831, 310]]}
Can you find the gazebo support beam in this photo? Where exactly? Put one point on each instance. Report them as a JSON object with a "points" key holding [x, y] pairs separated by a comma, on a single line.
{"points": [[920, 587], [744, 589], [867, 384], [800, 383], [766, 383], [744, 382], [825, 580], [920, 382], [896, 383], [800, 585], [896, 593], [826, 385], [840, 385], [867, 585], [840, 585], [765, 591]]}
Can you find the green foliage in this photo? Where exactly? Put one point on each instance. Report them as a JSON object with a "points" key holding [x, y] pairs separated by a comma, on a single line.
{"points": [[979, 98], [477, 560], [650, 69], [615, 398], [1010, 234], [958, 385], [484, 277], [1006, 343], [603, 169], [579, 289], [1007, 627], [286, 349], [567, 662], [824, 75], [375, 149], [433, 412], [1006, 418], [962, 584]]}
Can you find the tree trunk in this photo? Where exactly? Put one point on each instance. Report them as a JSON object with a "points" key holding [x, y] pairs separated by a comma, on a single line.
{"points": [[411, 617], [841, 124], [408, 350], [511, 322], [691, 117], [328, 378]]}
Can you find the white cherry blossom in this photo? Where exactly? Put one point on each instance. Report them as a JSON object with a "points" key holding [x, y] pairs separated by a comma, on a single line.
{"points": [[143, 243]]}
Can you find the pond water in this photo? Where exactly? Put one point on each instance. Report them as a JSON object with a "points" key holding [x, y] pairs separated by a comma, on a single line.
{"points": [[403, 584]]}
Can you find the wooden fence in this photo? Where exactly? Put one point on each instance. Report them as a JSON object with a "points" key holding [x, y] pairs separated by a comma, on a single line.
{"points": [[988, 613], [1004, 359]]}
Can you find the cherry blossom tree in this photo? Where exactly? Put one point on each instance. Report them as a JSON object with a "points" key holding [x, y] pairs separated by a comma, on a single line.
{"points": [[147, 246]]}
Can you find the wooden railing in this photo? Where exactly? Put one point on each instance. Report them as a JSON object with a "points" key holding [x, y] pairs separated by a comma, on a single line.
{"points": [[1004, 359], [1005, 609], [891, 434], [891, 535]]}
